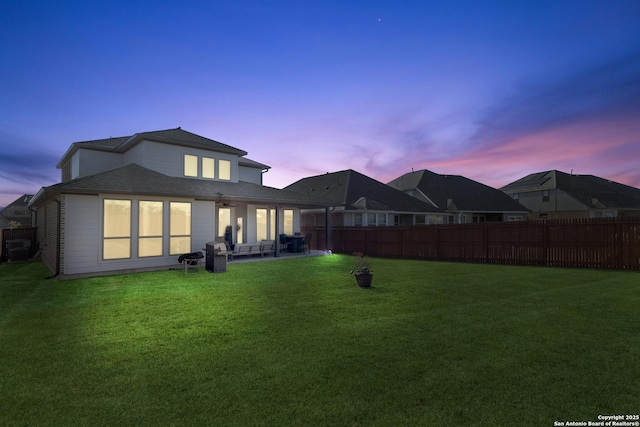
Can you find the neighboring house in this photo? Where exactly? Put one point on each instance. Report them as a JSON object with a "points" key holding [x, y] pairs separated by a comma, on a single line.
{"points": [[4, 223], [138, 202], [554, 194], [18, 211], [467, 200], [360, 201]]}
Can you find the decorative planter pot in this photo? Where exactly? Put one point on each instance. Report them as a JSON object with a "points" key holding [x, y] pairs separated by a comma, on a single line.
{"points": [[364, 280]]}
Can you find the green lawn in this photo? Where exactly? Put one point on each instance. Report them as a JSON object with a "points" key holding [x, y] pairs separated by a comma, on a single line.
{"points": [[296, 342]]}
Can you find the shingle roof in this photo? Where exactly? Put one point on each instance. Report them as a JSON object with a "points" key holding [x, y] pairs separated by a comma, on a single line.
{"points": [[176, 136], [590, 190], [243, 161], [4, 223], [465, 193], [356, 191], [133, 179]]}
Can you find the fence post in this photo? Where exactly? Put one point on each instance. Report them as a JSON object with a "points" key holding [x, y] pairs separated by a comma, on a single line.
{"points": [[485, 237], [619, 246], [545, 243]]}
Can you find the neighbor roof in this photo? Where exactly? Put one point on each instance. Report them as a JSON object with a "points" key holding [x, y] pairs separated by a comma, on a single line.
{"points": [[176, 136], [17, 210], [4, 223], [134, 179], [243, 161], [465, 193], [590, 190], [356, 191]]}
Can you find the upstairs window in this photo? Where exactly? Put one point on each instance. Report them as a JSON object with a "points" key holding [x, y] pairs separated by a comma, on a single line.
{"points": [[516, 196], [208, 167], [190, 165], [545, 195], [224, 171]]}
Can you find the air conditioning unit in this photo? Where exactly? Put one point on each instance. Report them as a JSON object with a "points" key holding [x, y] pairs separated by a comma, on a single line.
{"points": [[18, 249]]}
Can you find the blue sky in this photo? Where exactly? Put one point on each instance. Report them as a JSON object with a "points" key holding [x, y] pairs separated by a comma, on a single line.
{"points": [[492, 90]]}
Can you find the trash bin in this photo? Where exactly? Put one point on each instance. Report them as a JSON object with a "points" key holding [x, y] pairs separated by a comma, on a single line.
{"points": [[216, 262]]}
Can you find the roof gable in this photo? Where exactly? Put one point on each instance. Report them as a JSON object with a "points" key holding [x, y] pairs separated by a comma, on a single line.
{"points": [[598, 193], [592, 191]]}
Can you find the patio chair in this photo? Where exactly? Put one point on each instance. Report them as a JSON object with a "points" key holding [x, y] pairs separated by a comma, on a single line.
{"points": [[284, 245], [306, 244]]}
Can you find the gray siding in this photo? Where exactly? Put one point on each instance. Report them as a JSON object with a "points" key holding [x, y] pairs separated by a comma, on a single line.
{"points": [[252, 175], [169, 159], [202, 224], [92, 161], [47, 222], [559, 201], [83, 235], [82, 228], [75, 165]]}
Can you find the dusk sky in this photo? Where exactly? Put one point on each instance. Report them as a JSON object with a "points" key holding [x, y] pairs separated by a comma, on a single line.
{"points": [[491, 90]]}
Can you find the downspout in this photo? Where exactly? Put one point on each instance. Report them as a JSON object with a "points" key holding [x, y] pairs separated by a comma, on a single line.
{"points": [[58, 244], [34, 214]]}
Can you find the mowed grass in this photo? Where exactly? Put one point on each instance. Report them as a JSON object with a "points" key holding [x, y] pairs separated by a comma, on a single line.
{"points": [[296, 342]]}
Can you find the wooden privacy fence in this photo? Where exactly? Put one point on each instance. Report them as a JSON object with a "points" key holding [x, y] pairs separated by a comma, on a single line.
{"points": [[608, 243]]}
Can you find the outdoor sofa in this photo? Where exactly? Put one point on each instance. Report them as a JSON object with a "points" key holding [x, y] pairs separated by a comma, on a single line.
{"points": [[265, 247]]}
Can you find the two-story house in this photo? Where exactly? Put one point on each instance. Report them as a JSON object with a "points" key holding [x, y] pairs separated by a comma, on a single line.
{"points": [[361, 201], [465, 199], [17, 212], [554, 194], [136, 203]]}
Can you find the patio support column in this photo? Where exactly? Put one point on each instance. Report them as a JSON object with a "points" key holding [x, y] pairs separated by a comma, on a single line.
{"points": [[327, 240]]}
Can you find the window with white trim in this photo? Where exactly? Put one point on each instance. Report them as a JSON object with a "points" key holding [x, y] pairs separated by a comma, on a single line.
{"points": [[288, 221], [116, 229], [224, 170], [179, 228], [261, 224], [190, 165], [208, 167], [224, 220], [357, 219], [272, 223], [149, 229]]}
